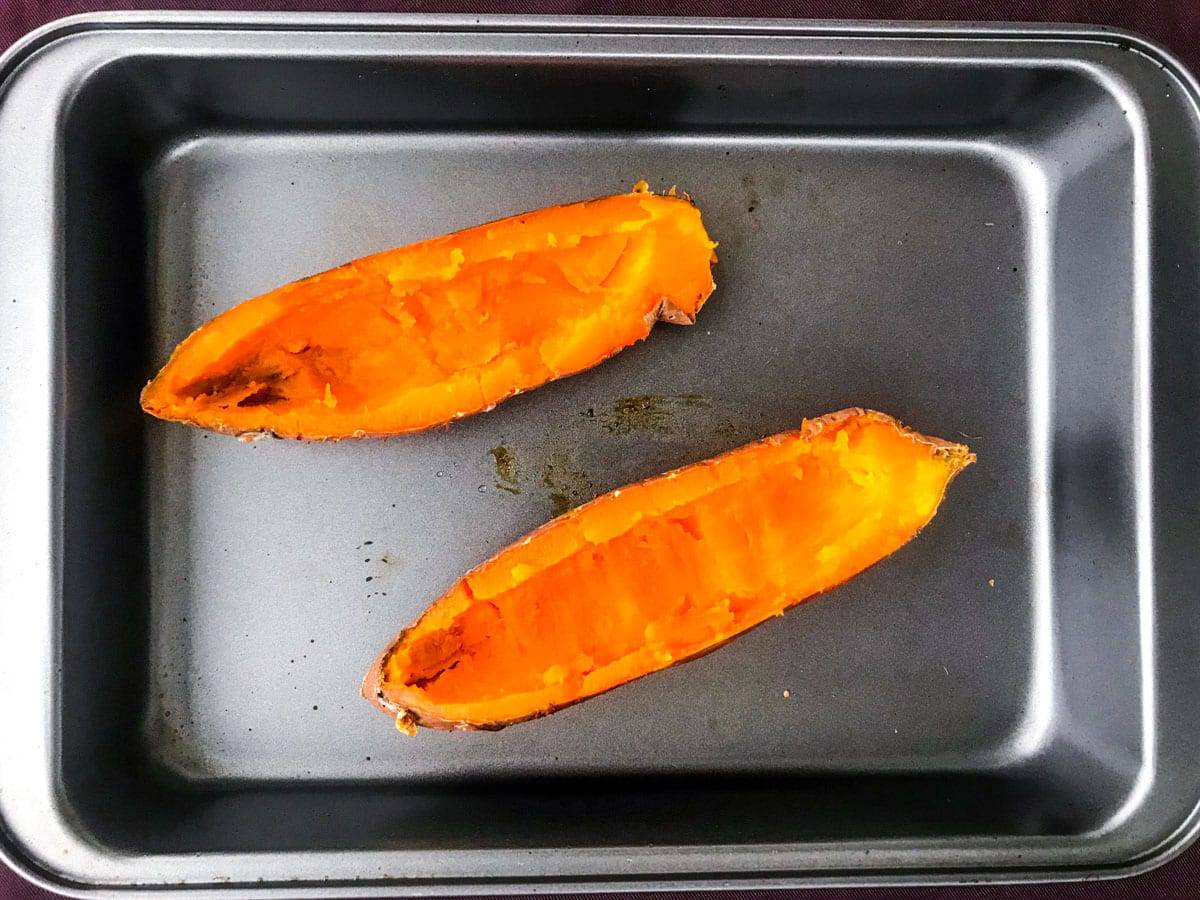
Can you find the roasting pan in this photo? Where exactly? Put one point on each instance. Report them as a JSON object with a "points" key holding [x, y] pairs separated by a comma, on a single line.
{"points": [[987, 231]]}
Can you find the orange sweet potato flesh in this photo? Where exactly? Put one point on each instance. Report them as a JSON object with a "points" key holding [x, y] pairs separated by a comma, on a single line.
{"points": [[661, 571], [417, 336]]}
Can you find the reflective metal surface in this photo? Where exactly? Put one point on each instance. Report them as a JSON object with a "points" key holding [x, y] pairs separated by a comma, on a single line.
{"points": [[987, 232]]}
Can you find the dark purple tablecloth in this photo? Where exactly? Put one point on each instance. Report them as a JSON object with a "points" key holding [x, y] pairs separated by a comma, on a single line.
{"points": [[1173, 23]]}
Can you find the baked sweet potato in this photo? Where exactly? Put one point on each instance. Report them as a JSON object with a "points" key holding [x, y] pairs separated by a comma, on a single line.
{"points": [[417, 336], [658, 572]]}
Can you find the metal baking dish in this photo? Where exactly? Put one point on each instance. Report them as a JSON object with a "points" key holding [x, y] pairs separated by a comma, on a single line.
{"points": [[987, 231]]}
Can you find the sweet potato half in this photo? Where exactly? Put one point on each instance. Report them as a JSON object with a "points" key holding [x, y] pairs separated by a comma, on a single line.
{"points": [[658, 572], [417, 336]]}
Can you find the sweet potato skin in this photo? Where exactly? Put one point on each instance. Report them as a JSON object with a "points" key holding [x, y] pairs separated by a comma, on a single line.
{"points": [[409, 716], [418, 336]]}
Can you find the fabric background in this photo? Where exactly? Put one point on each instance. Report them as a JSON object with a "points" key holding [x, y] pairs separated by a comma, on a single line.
{"points": [[1173, 23]]}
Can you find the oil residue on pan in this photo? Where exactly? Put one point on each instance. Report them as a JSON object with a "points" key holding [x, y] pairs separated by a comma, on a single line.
{"points": [[573, 460]]}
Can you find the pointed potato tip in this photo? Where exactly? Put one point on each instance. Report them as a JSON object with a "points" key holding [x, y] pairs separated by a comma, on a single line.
{"points": [[958, 455], [372, 686], [149, 399], [666, 311], [961, 456]]}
